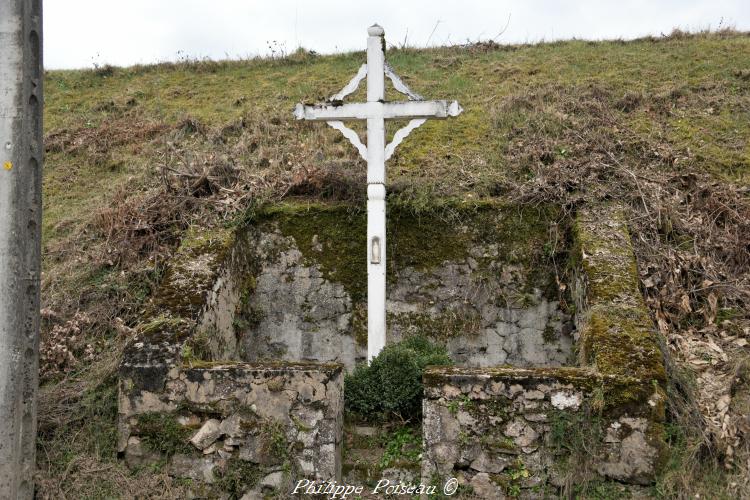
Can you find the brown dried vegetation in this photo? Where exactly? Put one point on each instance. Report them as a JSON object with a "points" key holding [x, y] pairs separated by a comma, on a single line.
{"points": [[692, 239], [125, 177]]}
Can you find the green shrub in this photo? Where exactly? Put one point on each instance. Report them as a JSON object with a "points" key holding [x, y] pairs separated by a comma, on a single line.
{"points": [[392, 384]]}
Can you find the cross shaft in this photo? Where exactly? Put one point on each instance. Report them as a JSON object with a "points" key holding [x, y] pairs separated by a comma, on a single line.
{"points": [[375, 111]]}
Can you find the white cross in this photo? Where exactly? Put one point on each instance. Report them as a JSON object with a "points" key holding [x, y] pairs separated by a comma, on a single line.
{"points": [[376, 110]]}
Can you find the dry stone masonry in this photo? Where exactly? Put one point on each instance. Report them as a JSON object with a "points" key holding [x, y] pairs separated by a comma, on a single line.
{"points": [[527, 431], [227, 426], [501, 430], [236, 378], [274, 423]]}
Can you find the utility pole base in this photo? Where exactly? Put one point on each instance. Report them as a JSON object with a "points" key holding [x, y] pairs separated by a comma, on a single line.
{"points": [[21, 101]]}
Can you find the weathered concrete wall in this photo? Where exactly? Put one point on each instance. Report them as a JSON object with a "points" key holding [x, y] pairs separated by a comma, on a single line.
{"points": [[510, 431], [273, 423], [301, 299], [317, 320]]}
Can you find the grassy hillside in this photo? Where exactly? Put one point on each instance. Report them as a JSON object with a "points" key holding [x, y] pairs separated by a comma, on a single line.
{"points": [[135, 156]]}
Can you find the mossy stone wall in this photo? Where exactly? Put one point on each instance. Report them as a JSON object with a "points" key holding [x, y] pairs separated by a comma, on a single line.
{"points": [[237, 428], [478, 278]]}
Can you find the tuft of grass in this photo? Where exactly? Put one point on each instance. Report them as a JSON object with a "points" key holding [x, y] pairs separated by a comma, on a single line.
{"points": [[237, 477], [161, 433]]}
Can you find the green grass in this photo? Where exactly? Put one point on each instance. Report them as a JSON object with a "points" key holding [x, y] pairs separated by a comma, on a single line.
{"points": [[404, 444], [694, 79], [691, 103], [670, 105]]}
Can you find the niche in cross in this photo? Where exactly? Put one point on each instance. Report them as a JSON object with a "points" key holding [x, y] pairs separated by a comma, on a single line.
{"points": [[376, 111]]}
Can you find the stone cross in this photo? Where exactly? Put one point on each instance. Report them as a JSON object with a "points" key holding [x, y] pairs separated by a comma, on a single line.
{"points": [[376, 110]]}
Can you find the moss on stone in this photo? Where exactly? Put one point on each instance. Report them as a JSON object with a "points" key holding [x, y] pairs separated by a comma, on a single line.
{"points": [[437, 376], [495, 407], [617, 336], [266, 368], [199, 240], [246, 316], [622, 341], [193, 269], [358, 325], [448, 324], [616, 394], [549, 335], [425, 242], [197, 363], [497, 442], [603, 251], [333, 236]]}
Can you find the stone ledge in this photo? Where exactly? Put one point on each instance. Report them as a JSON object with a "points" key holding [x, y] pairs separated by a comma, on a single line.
{"points": [[506, 430], [617, 394], [222, 423], [616, 334]]}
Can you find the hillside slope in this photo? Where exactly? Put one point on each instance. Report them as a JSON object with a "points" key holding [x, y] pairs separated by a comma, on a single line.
{"points": [[135, 156]]}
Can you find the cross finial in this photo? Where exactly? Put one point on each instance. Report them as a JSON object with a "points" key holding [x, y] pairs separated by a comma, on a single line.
{"points": [[375, 30]]}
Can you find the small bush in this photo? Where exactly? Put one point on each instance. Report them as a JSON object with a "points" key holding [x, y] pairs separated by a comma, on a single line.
{"points": [[392, 384]]}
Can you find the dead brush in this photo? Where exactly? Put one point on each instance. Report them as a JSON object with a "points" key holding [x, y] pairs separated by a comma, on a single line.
{"points": [[335, 181], [691, 236], [112, 132], [134, 227], [252, 160], [65, 346]]}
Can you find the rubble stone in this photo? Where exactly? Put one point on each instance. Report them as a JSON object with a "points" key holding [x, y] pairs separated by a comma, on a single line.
{"points": [[207, 434]]}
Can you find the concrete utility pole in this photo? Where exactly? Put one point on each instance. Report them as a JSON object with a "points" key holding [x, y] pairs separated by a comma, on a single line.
{"points": [[375, 111], [20, 232]]}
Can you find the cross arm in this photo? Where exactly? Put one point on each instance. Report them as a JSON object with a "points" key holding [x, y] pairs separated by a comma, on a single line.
{"points": [[389, 110], [333, 111], [411, 110]]}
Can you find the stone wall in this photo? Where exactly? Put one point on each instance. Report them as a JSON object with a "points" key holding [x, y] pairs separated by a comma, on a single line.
{"points": [[230, 427], [290, 289], [505, 431], [615, 333], [268, 425], [511, 431], [485, 298]]}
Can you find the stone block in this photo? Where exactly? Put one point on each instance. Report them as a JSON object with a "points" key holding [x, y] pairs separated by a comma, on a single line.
{"points": [[207, 434]]}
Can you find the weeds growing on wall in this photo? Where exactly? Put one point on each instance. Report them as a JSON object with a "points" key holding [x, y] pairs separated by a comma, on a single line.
{"points": [[391, 386], [136, 155], [691, 234]]}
